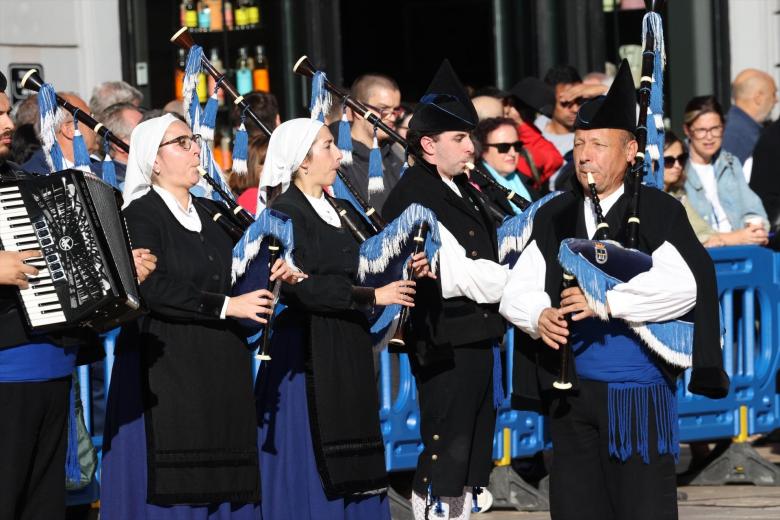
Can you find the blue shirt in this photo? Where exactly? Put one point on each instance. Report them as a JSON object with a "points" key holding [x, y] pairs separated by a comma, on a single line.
{"points": [[741, 134], [36, 362]]}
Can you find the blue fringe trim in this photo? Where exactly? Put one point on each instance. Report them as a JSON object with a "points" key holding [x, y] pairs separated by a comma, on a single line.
{"points": [[376, 183], [72, 466], [345, 138], [628, 412], [320, 97], [269, 223], [47, 110], [514, 233], [241, 150], [498, 378]]}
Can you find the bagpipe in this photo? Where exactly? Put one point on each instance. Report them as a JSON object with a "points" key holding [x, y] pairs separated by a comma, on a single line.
{"points": [[383, 254], [597, 266]]}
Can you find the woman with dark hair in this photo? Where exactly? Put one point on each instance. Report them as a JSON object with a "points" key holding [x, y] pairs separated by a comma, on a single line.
{"points": [[497, 146], [714, 181]]}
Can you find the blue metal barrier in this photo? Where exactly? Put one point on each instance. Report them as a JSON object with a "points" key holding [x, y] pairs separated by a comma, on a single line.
{"points": [[749, 292]]}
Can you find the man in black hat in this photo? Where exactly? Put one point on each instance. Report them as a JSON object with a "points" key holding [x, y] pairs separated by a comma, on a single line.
{"points": [[450, 341], [614, 433]]}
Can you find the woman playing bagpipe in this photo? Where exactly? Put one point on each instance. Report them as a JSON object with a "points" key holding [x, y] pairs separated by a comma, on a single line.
{"points": [[181, 437], [321, 451]]}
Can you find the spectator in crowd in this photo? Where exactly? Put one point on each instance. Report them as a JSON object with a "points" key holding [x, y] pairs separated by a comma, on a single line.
{"points": [[559, 129], [498, 146], [26, 111], [755, 94], [675, 160], [264, 105], [245, 186], [765, 179], [714, 182], [25, 143], [174, 106], [111, 93], [121, 119], [402, 123], [64, 130], [381, 94], [487, 107]]}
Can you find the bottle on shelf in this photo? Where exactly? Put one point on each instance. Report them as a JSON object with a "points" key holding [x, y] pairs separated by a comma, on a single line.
{"points": [[216, 14], [243, 72], [240, 15], [183, 13], [202, 88], [260, 77], [228, 16], [191, 14], [253, 14], [204, 17], [212, 83], [178, 81]]}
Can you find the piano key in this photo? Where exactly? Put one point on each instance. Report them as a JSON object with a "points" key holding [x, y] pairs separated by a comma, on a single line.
{"points": [[40, 320], [9, 189]]}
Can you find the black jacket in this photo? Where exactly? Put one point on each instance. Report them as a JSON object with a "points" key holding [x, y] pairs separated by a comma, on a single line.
{"points": [[437, 325]]}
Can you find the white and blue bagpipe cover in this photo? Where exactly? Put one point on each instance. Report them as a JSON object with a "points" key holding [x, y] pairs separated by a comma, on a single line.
{"points": [[251, 255], [598, 267], [515, 232], [383, 259]]}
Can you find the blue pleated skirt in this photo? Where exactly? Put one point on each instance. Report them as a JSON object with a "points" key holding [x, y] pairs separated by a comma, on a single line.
{"points": [[291, 485], [123, 481]]}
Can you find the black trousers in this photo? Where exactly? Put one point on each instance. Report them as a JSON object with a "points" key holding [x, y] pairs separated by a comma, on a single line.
{"points": [[457, 422], [33, 439], [586, 483]]}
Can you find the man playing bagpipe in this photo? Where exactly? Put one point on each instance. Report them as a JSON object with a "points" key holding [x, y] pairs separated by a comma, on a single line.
{"points": [[450, 341], [614, 431]]}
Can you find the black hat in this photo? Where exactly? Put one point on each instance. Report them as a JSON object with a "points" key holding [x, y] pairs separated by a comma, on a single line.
{"points": [[445, 106], [3, 82], [536, 94], [615, 110]]}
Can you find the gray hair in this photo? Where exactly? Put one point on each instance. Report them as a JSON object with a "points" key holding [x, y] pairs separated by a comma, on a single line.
{"points": [[111, 93], [114, 120]]}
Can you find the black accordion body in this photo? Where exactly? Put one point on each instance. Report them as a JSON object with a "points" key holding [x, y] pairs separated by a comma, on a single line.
{"points": [[86, 275]]}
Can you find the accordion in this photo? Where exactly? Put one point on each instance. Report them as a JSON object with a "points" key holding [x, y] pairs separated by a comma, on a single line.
{"points": [[86, 275]]}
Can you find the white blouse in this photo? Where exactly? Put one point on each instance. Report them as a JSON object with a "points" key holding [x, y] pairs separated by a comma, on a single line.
{"points": [[323, 208]]}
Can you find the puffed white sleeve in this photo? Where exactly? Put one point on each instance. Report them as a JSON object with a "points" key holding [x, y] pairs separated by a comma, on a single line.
{"points": [[665, 292], [524, 296], [479, 280]]}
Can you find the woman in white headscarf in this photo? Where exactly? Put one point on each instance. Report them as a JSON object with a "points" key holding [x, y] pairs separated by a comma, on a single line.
{"points": [[181, 437], [321, 449]]}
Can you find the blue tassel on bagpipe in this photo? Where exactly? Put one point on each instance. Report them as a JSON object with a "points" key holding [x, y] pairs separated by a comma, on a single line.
{"points": [[47, 110], [376, 182], [514, 233], [384, 256], [671, 340], [81, 159], [190, 83], [654, 170], [108, 168], [345, 138], [209, 122], [320, 97], [241, 149]]}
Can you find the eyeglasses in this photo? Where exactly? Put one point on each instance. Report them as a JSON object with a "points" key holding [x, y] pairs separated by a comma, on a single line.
{"points": [[385, 113], [504, 147], [669, 160], [715, 131], [185, 141]]}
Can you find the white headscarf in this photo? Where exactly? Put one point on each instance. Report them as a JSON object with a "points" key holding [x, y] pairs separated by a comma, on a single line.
{"points": [[287, 149], [144, 144]]}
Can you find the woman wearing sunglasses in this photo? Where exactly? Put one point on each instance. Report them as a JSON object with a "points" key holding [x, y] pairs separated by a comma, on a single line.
{"points": [[498, 147], [675, 162], [714, 182], [181, 437]]}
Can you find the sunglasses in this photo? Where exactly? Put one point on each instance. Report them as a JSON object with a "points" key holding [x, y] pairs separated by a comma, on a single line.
{"points": [[504, 147], [669, 160]]}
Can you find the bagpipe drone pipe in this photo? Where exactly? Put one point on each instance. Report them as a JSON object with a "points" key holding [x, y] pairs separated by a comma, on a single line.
{"points": [[384, 253]]}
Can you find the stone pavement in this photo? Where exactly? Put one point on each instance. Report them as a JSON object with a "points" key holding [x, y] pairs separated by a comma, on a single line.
{"points": [[711, 502]]}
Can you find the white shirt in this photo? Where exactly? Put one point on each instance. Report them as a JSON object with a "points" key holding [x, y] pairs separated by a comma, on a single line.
{"points": [[451, 185], [606, 204], [706, 173], [323, 208], [665, 292]]}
